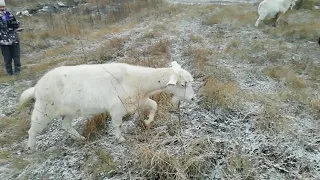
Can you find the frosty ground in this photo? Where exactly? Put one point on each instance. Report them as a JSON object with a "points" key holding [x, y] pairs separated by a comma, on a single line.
{"points": [[257, 115]]}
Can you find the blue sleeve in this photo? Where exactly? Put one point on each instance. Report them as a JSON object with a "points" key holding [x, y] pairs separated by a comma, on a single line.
{"points": [[12, 21]]}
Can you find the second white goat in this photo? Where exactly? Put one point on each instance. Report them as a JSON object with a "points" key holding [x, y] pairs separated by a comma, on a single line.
{"points": [[273, 8]]}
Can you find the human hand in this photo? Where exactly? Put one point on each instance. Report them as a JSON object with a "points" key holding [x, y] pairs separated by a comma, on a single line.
{"points": [[19, 29]]}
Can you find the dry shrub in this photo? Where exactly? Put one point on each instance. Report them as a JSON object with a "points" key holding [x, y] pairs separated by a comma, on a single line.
{"points": [[223, 94], [123, 9], [161, 47], [274, 56], [201, 58], [33, 41], [164, 105], [288, 75], [240, 165], [159, 164], [156, 55], [110, 50], [94, 126]]}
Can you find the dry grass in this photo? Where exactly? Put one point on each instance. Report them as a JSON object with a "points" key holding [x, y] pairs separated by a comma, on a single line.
{"points": [[233, 14], [219, 88], [300, 30], [13, 3], [294, 26], [239, 165], [291, 79], [314, 105], [95, 125], [14, 129], [100, 165], [222, 94], [160, 164], [272, 120], [162, 47], [201, 57], [109, 50]]}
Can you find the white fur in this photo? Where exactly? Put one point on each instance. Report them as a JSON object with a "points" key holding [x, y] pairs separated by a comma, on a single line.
{"points": [[293, 4], [270, 8], [117, 88]]}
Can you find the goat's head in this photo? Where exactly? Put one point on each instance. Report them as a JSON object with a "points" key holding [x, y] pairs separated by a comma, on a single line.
{"points": [[180, 83]]}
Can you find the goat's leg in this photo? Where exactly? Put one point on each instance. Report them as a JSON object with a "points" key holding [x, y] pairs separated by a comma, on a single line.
{"points": [[275, 19], [40, 118], [279, 14], [117, 122], [66, 125], [261, 18], [152, 105]]}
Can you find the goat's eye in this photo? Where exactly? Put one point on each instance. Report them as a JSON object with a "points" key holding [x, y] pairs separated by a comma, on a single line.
{"points": [[183, 85]]}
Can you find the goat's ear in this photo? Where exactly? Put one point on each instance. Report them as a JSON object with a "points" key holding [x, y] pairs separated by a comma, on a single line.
{"points": [[173, 80], [175, 65]]}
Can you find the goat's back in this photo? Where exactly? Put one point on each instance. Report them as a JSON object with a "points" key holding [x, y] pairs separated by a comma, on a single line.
{"points": [[92, 87], [70, 83]]}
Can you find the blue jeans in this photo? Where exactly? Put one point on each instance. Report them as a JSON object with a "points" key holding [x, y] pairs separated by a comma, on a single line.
{"points": [[9, 53]]}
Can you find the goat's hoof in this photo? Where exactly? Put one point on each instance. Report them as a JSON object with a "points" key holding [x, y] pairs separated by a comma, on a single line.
{"points": [[148, 126], [29, 150], [81, 138]]}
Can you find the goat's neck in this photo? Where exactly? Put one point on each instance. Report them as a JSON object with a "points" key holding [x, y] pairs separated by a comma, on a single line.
{"points": [[155, 81]]}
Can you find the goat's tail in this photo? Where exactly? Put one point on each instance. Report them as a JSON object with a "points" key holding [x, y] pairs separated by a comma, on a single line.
{"points": [[27, 95]]}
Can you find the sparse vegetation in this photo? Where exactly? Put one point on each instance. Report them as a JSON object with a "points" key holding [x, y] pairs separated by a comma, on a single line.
{"points": [[271, 120], [160, 164], [291, 79], [222, 94], [14, 129], [234, 14]]}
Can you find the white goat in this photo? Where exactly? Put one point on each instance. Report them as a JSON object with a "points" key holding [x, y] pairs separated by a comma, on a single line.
{"points": [[117, 88], [273, 8]]}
